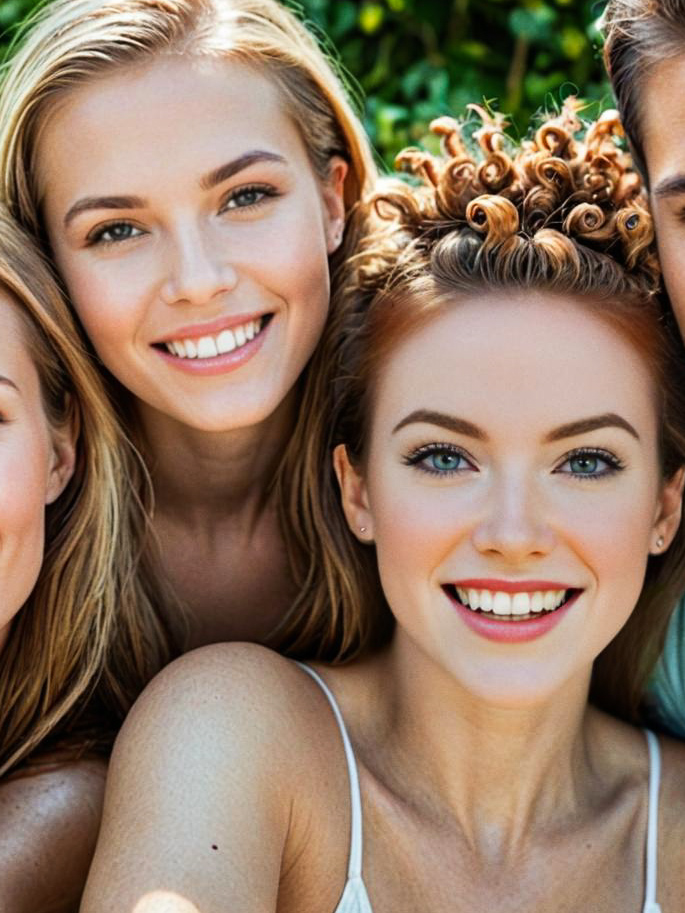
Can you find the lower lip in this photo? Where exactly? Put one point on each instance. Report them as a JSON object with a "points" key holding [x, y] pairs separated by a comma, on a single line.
{"points": [[219, 364], [511, 632]]}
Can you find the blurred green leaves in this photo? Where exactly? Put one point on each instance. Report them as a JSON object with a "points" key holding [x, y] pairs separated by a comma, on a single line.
{"points": [[417, 59]]}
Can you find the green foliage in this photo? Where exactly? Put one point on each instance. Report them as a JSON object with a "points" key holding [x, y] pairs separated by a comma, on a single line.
{"points": [[416, 59]]}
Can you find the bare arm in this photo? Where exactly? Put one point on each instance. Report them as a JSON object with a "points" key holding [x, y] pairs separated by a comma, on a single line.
{"points": [[49, 822], [197, 808]]}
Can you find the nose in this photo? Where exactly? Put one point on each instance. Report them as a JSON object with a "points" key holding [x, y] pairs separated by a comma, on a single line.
{"points": [[514, 526], [198, 269]]}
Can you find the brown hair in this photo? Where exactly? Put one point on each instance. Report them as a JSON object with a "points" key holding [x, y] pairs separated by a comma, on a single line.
{"points": [[90, 633], [639, 35], [555, 213]]}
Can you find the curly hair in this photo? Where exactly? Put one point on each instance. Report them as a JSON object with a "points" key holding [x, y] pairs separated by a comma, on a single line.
{"points": [[555, 213], [639, 34]]}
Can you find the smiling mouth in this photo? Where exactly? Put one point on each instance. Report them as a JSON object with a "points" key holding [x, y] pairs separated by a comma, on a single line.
{"points": [[511, 606], [212, 345]]}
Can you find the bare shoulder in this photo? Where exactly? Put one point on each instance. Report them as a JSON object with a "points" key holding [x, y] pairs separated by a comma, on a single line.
{"points": [[220, 688], [49, 819], [672, 822], [214, 767]]}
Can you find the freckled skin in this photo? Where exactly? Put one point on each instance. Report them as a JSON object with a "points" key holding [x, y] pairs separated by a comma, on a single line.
{"points": [[50, 810], [487, 780]]}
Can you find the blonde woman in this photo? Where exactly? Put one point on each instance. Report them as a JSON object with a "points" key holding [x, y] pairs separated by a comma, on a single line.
{"points": [[72, 608], [189, 165], [506, 419]]}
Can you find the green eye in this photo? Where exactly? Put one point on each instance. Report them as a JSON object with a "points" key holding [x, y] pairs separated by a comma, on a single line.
{"points": [[585, 465], [445, 462]]}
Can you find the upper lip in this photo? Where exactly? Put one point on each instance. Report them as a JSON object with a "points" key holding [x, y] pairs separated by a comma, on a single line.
{"points": [[509, 586], [211, 328]]}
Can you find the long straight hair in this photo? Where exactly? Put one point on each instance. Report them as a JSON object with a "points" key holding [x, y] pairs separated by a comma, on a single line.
{"points": [[91, 633]]}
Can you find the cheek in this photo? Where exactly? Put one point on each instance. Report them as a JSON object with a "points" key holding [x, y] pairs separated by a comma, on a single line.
{"points": [[670, 244], [107, 300], [22, 525], [415, 533]]}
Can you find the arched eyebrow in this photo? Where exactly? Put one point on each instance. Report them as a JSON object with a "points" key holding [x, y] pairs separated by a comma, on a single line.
{"points": [[442, 420], [583, 425], [669, 187], [570, 429], [5, 381], [206, 182], [224, 172]]}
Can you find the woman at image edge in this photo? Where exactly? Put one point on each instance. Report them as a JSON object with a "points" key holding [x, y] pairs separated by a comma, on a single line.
{"points": [[645, 56], [506, 413], [190, 164], [69, 607]]}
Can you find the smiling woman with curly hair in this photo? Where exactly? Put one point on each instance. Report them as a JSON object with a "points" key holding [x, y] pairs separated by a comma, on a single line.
{"points": [[495, 478]]}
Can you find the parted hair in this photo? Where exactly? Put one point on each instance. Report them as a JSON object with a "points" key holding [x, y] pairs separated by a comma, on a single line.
{"points": [[638, 35], [555, 212], [90, 634], [69, 43]]}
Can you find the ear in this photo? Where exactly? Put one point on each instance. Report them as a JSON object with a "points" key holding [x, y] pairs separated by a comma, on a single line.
{"points": [[669, 512], [62, 458], [333, 193], [353, 494]]}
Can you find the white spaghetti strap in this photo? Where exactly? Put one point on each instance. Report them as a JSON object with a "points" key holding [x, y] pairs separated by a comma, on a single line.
{"points": [[354, 869], [651, 905]]}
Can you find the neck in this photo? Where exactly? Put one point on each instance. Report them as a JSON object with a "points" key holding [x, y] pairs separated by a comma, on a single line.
{"points": [[199, 475], [499, 771]]}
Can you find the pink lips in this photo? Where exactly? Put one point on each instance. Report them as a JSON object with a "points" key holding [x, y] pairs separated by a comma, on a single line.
{"points": [[511, 631], [219, 364]]}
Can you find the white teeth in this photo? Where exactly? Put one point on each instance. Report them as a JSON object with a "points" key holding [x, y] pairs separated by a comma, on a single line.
{"points": [[520, 604], [550, 600], [206, 347], [500, 603], [225, 342], [211, 346]]}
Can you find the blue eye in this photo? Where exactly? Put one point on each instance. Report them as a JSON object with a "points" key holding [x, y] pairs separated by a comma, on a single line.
{"points": [[439, 460], [114, 232], [592, 464], [444, 462], [246, 197]]}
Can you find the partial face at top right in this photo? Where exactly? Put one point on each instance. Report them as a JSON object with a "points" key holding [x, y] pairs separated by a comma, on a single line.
{"points": [[663, 124]]}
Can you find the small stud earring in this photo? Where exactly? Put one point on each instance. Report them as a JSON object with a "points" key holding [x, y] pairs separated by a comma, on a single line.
{"points": [[362, 529], [660, 542]]}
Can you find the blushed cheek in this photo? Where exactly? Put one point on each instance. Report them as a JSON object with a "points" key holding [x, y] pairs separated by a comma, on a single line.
{"points": [[22, 535]]}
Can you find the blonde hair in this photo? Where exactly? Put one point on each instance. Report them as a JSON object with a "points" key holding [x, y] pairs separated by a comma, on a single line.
{"points": [[73, 42], [555, 213], [639, 34], [89, 636]]}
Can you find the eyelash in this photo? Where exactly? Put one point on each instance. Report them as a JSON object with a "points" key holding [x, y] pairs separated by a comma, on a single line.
{"points": [[418, 457], [614, 464], [266, 191]]}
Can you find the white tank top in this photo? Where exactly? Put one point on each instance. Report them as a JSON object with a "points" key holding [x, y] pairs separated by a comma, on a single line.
{"points": [[355, 899]]}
